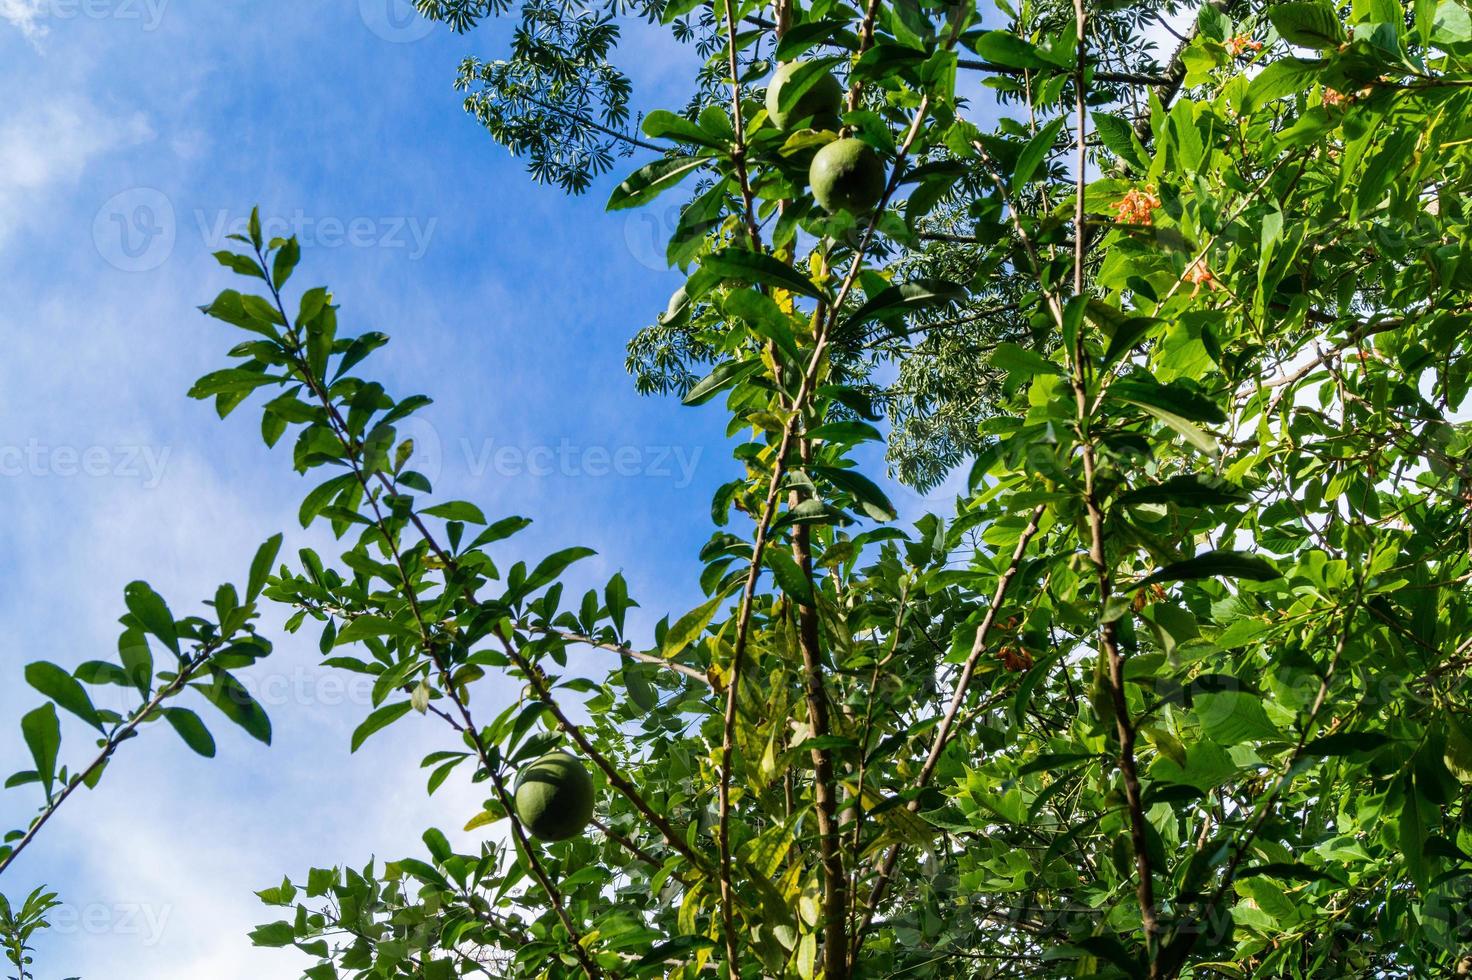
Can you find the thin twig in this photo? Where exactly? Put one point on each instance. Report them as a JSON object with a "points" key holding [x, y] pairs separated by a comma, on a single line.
{"points": [[948, 721]]}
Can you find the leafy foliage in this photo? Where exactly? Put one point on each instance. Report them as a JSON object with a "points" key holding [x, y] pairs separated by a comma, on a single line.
{"points": [[19, 926], [199, 654], [1178, 687]]}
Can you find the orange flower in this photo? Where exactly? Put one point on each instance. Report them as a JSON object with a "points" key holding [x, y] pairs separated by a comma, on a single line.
{"points": [[1145, 597], [1199, 275], [1241, 44], [1015, 659], [1332, 97], [1136, 208]]}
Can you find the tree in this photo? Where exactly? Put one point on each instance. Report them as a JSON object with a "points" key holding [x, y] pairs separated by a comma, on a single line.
{"points": [[1179, 687]]}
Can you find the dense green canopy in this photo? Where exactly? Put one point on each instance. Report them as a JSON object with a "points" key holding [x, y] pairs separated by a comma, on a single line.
{"points": [[1175, 689]]}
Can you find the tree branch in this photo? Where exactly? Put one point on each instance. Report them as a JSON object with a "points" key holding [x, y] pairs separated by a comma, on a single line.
{"points": [[948, 721]]}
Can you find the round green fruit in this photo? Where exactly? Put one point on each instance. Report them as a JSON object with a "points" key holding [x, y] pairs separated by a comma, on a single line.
{"points": [[554, 797], [820, 103], [847, 175]]}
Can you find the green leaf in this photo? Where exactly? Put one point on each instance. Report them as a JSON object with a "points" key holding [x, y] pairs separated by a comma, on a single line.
{"points": [[848, 432], [689, 627], [679, 948], [554, 565], [321, 496], [191, 730], [42, 731], [801, 37], [724, 376], [1013, 359], [379, 720], [1173, 398], [152, 613], [871, 499], [438, 845], [1288, 76], [765, 317], [287, 256], [260, 567], [64, 689], [898, 301], [790, 576], [312, 303], [137, 659], [97, 672], [274, 936], [456, 510], [366, 626], [1187, 490], [1233, 717], [616, 598], [1035, 152], [1007, 49], [240, 264], [235, 702], [500, 530], [1309, 25], [641, 692], [663, 124], [1215, 564], [424, 872], [1127, 335], [1452, 24], [1119, 137], [651, 180], [760, 270], [1195, 435], [1414, 813], [1346, 743]]}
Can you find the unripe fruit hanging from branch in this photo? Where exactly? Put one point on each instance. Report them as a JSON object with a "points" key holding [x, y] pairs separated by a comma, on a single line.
{"points": [[554, 797], [847, 175], [819, 103]]}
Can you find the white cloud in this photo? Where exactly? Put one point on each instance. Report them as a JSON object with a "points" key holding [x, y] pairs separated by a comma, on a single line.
{"points": [[50, 144], [55, 141], [25, 15]]}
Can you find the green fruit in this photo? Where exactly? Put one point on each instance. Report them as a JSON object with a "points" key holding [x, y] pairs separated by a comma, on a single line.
{"points": [[554, 797], [820, 102], [847, 175]]}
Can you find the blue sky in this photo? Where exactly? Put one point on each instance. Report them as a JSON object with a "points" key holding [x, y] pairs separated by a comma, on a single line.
{"points": [[136, 132]]}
